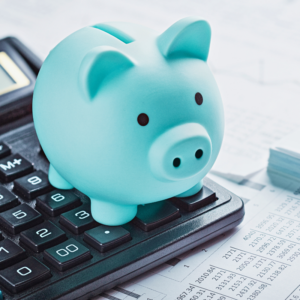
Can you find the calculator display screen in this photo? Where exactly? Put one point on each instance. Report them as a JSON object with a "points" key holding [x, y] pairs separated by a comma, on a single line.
{"points": [[5, 80], [11, 76]]}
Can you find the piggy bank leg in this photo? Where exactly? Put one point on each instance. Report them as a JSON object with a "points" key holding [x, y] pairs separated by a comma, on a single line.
{"points": [[57, 180], [192, 191], [112, 214]]}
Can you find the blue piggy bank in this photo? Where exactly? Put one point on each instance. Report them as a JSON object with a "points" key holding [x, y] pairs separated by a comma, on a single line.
{"points": [[128, 116]]}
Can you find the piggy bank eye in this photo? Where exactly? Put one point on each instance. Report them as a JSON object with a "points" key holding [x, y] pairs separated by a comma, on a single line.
{"points": [[143, 119], [199, 98]]}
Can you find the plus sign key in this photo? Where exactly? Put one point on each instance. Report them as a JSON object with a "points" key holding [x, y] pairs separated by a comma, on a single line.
{"points": [[14, 166]]}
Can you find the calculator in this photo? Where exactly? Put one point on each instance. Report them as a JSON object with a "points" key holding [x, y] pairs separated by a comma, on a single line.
{"points": [[50, 246]]}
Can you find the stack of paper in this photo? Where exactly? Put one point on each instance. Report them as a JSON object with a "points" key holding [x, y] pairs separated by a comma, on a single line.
{"points": [[285, 155]]}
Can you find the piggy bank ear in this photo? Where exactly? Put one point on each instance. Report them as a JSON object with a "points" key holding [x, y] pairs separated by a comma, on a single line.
{"points": [[189, 37], [99, 64]]}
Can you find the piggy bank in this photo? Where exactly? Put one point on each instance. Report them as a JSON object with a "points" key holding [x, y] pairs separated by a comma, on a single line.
{"points": [[128, 116]]}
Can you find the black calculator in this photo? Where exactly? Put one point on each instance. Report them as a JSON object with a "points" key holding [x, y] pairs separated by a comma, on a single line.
{"points": [[50, 246]]}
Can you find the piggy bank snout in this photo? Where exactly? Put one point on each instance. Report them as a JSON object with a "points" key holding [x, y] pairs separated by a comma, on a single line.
{"points": [[180, 152]]}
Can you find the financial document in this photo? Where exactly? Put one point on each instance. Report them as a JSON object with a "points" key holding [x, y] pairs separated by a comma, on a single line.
{"points": [[260, 259], [255, 59]]}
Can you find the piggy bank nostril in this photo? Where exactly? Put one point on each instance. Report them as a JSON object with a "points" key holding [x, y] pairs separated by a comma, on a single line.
{"points": [[199, 153], [176, 162]]}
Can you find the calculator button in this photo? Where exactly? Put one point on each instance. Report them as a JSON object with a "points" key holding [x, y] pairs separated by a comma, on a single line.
{"points": [[104, 238], [204, 197], [7, 199], [57, 202], [78, 220], [67, 255], [14, 166], [4, 150], [10, 253], [24, 274], [32, 185], [153, 215], [20, 218], [42, 236]]}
